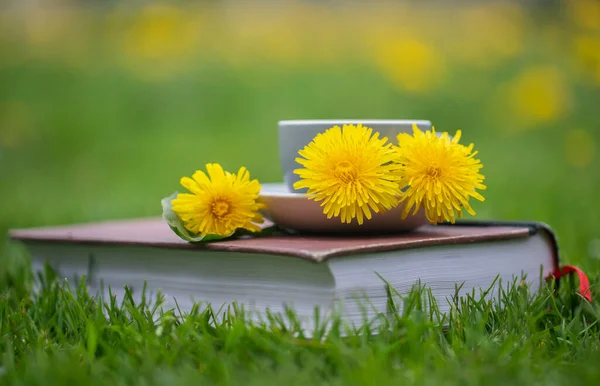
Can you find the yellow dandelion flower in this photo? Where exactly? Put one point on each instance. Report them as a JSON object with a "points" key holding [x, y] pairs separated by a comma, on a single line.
{"points": [[350, 171], [220, 203], [538, 95], [412, 64], [440, 174]]}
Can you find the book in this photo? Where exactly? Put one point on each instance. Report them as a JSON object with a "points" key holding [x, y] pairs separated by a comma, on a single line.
{"points": [[301, 271]]}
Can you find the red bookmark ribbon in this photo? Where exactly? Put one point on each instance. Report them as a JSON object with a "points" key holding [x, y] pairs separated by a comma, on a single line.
{"points": [[584, 283]]}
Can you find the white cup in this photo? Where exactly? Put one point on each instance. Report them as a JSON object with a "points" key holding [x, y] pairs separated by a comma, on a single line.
{"points": [[294, 135]]}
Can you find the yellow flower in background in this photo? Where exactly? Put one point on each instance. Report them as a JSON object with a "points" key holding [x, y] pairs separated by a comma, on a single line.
{"points": [[350, 171], [441, 175], [160, 41], [160, 32], [485, 34], [585, 13], [220, 203], [580, 147], [536, 96], [587, 53], [412, 64]]}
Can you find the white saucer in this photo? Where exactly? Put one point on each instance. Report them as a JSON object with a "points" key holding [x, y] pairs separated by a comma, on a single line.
{"points": [[294, 211]]}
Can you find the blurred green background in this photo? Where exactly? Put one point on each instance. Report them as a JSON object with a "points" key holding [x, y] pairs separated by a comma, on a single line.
{"points": [[104, 105]]}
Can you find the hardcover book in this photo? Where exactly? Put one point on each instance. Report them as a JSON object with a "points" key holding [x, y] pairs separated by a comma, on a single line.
{"points": [[300, 271]]}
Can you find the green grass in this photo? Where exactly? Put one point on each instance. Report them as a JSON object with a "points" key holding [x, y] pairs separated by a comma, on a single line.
{"points": [[63, 335], [88, 144]]}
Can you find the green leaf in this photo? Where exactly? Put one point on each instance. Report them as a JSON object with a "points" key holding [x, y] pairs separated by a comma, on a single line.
{"points": [[177, 226]]}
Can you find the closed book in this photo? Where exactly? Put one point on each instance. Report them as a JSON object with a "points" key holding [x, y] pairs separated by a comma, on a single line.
{"points": [[300, 271]]}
